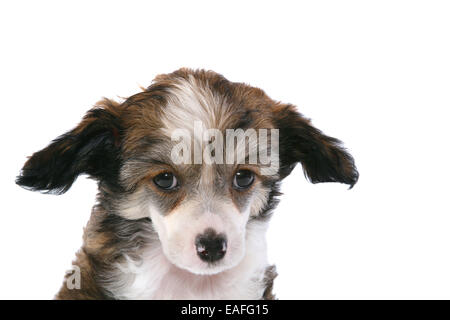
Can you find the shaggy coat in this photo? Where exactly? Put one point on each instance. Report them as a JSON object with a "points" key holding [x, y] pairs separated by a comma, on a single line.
{"points": [[137, 243]]}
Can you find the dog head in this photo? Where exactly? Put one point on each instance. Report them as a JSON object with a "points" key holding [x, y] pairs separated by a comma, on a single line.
{"points": [[199, 155]]}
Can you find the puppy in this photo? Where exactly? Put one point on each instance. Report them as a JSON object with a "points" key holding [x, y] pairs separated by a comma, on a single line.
{"points": [[188, 175]]}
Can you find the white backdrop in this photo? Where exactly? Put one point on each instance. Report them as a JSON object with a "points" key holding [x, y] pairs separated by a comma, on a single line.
{"points": [[375, 74]]}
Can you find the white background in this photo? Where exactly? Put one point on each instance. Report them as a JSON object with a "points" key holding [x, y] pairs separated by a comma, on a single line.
{"points": [[375, 74]]}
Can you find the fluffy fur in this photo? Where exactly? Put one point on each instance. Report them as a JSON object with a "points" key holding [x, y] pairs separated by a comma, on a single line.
{"points": [[139, 241]]}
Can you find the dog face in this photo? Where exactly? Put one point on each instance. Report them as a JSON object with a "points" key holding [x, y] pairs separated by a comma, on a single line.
{"points": [[180, 153]]}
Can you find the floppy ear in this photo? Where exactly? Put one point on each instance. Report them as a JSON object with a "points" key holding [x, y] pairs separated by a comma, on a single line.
{"points": [[91, 148], [323, 158]]}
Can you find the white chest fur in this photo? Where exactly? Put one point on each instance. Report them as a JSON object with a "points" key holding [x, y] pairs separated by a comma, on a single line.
{"points": [[154, 277]]}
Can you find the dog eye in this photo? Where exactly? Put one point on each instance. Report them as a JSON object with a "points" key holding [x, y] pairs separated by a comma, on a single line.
{"points": [[243, 179], [166, 181]]}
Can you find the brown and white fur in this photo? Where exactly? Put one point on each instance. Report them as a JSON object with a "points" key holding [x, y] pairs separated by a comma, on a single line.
{"points": [[140, 242]]}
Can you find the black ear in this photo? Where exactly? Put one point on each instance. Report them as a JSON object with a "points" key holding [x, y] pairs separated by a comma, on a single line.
{"points": [[323, 158], [91, 148]]}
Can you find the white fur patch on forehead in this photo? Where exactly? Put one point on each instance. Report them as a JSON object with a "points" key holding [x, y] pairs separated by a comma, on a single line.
{"points": [[190, 101]]}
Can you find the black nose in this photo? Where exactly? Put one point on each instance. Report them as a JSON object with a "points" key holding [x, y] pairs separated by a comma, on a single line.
{"points": [[211, 246]]}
